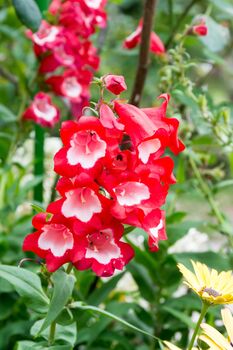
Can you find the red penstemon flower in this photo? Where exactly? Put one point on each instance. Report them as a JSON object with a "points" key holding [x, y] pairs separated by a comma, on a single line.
{"points": [[156, 45], [114, 172], [67, 58], [42, 111]]}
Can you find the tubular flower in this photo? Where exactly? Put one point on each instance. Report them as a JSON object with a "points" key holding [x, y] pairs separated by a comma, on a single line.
{"points": [[134, 39], [42, 111], [113, 173], [213, 338], [52, 241], [67, 57], [211, 286]]}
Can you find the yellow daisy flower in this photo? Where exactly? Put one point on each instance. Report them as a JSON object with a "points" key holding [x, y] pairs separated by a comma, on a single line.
{"points": [[211, 286], [214, 339]]}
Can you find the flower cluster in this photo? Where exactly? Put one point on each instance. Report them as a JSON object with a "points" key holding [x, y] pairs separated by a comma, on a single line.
{"points": [[113, 173], [67, 57]]}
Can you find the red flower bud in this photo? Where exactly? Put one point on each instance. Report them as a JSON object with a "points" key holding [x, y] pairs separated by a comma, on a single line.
{"points": [[200, 29], [115, 83]]}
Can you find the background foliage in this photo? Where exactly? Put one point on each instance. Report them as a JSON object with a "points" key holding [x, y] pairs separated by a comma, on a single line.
{"points": [[198, 75]]}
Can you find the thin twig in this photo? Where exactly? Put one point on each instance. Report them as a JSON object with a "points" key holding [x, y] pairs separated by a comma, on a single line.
{"points": [[179, 22], [144, 54]]}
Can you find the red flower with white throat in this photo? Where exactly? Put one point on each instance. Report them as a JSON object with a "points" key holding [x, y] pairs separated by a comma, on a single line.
{"points": [[81, 198], [85, 146], [42, 111], [104, 250], [52, 241]]}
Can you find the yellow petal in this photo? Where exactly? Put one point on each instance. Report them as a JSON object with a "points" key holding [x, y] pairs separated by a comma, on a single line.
{"points": [[212, 345], [217, 337], [206, 273], [228, 322], [171, 346], [189, 276], [224, 279], [214, 279], [199, 273]]}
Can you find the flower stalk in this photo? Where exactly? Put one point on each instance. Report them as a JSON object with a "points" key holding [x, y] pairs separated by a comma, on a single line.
{"points": [[204, 309], [52, 333], [39, 162], [144, 54]]}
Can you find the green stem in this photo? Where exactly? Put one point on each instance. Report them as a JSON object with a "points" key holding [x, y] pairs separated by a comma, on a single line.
{"points": [[69, 268], [39, 162], [3, 183], [207, 192], [179, 22], [52, 333], [170, 8], [202, 315]]}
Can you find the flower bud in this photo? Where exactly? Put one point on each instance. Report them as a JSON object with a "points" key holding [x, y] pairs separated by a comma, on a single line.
{"points": [[200, 29], [115, 83]]}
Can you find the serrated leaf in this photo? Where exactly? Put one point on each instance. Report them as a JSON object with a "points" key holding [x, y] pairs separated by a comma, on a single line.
{"points": [[28, 285], [63, 288], [28, 13], [97, 310]]}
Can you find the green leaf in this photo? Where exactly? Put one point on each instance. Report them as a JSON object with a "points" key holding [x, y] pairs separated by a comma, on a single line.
{"points": [[124, 342], [181, 316], [95, 309], [100, 294], [218, 35], [43, 4], [6, 116], [63, 288], [38, 208], [13, 329], [145, 284], [67, 334], [28, 13], [223, 5], [177, 231], [30, 345], [211, 259], [121, 310], [28, 285], [223, 184]]}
